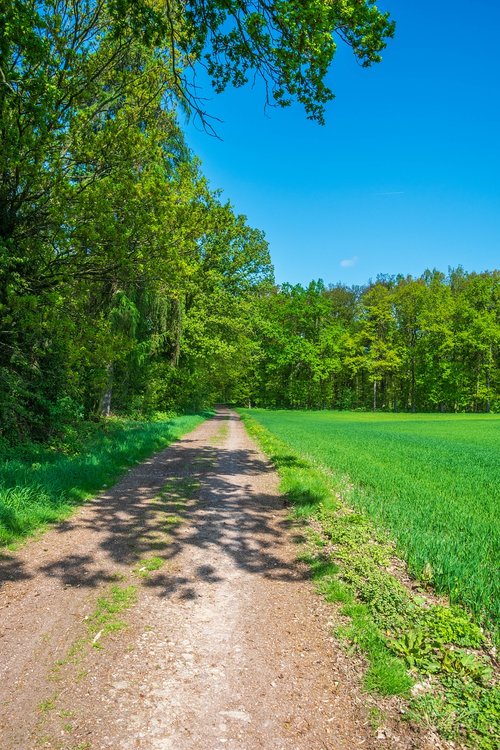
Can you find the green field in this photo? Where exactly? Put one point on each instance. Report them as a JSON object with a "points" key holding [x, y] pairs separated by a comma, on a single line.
{"points": [[432, 480], [39, 485]]}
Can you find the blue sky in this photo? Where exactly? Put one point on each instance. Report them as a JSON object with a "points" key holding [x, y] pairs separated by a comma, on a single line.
{"points": [[405, 174]]}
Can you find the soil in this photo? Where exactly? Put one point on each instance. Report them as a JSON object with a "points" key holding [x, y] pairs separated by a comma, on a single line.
{"points": [[227, 646]]}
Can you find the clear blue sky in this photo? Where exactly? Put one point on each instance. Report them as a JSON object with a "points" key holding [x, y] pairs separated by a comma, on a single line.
{"points": [[404, 175]]}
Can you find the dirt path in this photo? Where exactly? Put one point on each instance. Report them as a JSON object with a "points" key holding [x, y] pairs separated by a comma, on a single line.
{"points": [[227, 646]]}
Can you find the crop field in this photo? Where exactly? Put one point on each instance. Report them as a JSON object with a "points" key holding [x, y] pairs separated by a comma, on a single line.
{"points": [[432, 480]]}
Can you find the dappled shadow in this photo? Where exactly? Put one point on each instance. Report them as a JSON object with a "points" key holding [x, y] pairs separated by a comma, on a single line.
{"points": [[12, 569], [77, 570], [194, 497]]}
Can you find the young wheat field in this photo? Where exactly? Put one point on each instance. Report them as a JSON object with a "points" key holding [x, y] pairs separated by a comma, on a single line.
{"points": [[432, 480]]}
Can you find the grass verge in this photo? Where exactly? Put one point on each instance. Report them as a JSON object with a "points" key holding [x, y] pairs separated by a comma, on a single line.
{"points": [[42, 486], [433, 655]]}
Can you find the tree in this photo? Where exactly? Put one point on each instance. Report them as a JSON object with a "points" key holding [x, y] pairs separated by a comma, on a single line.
{"points": [[106, 224], [477, 336], [377, 336], [290, 45], [409, 302]]}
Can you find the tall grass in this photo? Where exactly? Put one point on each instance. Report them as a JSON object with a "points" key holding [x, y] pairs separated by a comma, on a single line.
{"points": [[432, 480], [42, 486]]}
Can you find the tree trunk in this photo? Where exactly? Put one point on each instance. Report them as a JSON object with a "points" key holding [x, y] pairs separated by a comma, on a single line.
{"points": [[412, 396], [177, 323], [106, 399]]}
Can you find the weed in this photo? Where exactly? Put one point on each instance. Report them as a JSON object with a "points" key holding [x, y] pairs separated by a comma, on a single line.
{"points": [[376, 717], [105, 618], [49, 704], [147, 566], [172, 520], [118, 576], [44, 739], [72, 657], [464, 712], [65, 713]]}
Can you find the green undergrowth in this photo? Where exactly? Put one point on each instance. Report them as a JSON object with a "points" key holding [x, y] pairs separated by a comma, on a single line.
{"points": [[435, 656], [39, 485]]}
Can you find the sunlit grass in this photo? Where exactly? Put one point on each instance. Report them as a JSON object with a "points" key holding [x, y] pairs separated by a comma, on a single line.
{"points": [[432, 480], [44, 487], [407, 638]]}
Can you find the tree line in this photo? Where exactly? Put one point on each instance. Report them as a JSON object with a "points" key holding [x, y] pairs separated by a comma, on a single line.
{"points": [[400, 343], [125, 281], [113, 247]]}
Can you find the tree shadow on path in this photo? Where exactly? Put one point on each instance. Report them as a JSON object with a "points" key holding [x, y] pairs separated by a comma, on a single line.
{"points": [[196, 499]]}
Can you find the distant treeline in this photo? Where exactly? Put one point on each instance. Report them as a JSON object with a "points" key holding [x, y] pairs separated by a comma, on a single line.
{"points": [[401, 343]]}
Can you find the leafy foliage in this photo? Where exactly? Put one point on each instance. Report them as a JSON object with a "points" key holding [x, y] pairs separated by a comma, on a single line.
{"points": [[127, 285], [399, 344], [124, 280], [290, 45]]}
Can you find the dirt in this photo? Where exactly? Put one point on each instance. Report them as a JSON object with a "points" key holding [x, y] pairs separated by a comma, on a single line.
{"points": [[227, 646]]}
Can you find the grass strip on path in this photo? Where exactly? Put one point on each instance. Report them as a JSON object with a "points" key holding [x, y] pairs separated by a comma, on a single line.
{"points": [[43, 486], [435, 656]]}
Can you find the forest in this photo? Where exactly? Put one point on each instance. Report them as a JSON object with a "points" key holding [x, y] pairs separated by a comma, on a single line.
{"points": [[128, 286], [399, 343]]}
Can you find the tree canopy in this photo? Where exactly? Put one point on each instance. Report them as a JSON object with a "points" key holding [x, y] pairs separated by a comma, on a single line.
{"points": [[401, 344], [289, 45]]}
